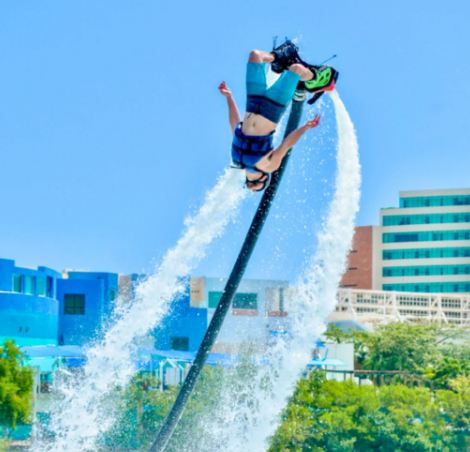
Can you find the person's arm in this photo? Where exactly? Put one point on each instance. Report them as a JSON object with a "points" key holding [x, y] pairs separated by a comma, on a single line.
{"points": [[233, 113], [273, 160]]}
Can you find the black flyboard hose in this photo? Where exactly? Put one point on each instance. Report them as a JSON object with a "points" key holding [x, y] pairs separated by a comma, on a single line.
{"points": [[231, 286]]}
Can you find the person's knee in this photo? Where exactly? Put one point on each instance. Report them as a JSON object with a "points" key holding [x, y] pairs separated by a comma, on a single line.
{"points": [[297, 68], [255, 57]]}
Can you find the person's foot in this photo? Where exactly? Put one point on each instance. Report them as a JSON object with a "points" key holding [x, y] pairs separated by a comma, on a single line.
{"points": [[284, 55], [324, 79]]}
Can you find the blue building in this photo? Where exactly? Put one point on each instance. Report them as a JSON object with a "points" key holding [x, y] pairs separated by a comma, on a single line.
{"points": [[29, 308], [183, 328], [85, 302], [40, 307]]}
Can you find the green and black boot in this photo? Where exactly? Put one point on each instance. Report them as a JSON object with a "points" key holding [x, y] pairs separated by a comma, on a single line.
{"points": [[324, 79]]}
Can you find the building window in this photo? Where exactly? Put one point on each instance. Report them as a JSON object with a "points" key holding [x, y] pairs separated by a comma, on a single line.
{"points": [[112, 294], [246, 301], [41, 286], [434, 201], [426, 253], [240, 301], [180, 343], [429, 287], [423, 236], [422, 270], [50, 287], [18, 283], [74, 304], [214, 298], [29, 283]]}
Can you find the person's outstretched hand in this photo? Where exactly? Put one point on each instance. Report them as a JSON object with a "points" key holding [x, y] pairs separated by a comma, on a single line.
{"points": [[225, 90], [312, 123]]}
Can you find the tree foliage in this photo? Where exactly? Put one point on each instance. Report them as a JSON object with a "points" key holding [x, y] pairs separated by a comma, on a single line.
{"points": [[336, 334], [144, 408], [343, 416], [16, 386], [398, 346], [329, 415], [435, 353]]}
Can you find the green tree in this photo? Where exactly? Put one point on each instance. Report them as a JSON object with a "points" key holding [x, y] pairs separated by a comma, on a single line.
{"points": [[343, 416], [142, 410], [455, 406], [337, 334], [446, 370], [16, 387], [398, 346]]}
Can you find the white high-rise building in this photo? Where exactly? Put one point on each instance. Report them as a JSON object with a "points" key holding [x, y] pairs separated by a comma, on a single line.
{"points": [[424, 245]]}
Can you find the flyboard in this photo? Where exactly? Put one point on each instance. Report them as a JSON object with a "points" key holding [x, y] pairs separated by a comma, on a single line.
{"points": [[234, 279]]}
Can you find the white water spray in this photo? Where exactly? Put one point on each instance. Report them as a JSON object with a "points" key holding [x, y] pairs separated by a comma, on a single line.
{"points": [[83, 415], [255, 420]]}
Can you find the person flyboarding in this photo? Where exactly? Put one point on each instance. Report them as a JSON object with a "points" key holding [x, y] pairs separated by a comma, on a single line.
{"points": [[265, 107], [252, 147]]}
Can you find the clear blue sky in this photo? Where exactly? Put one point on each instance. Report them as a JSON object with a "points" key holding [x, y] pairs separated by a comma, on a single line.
{"points": [[111, 127]]}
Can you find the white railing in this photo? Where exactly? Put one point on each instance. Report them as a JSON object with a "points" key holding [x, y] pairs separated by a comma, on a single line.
{"points": [[381, 306]]}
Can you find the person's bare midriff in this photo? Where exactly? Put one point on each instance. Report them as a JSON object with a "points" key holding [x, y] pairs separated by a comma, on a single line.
{"points": [[254, 124]]}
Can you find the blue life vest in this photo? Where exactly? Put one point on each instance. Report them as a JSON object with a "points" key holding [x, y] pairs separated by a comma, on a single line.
{"points": [[248, 150]]}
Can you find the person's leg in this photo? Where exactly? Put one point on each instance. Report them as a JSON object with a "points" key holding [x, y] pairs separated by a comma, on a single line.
{"points": [[260, 56], [256, 83], [304, 72], [282, 91]]}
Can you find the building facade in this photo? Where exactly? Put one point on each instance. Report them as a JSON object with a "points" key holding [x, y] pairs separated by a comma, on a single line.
{"points": [[184, 326], [258, 313], [86, 300], [425, 243], [44, 307], [358, 274], [29, 308], [423, 246]]}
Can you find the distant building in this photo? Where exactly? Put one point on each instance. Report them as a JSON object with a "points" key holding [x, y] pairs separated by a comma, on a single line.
{"points": [[359, 271], [86, 300], [425, 243], [258, 312], [43, 307], [29, 307], [183, 328], [423, 246]]}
